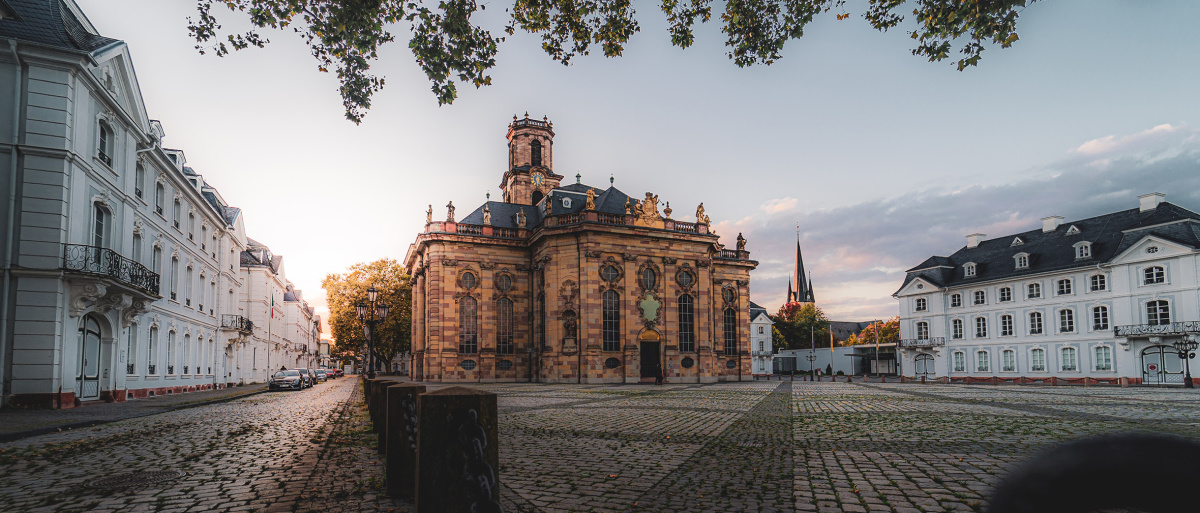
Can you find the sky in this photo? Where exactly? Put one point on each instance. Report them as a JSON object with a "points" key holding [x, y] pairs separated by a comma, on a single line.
{"points": [[873, 158]]}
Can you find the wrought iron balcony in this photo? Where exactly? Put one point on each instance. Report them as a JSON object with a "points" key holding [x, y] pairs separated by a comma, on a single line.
{"points": [[237, 322], [1149, 330], [761, 353], [107, 263], [923, 342], [302, 347]]}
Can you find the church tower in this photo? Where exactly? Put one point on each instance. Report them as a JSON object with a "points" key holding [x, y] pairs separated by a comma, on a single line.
{"points": [[799, 288], [530, 175]]}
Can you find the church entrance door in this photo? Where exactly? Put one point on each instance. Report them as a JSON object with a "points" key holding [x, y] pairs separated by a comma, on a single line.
{"points": [[649, 343]]}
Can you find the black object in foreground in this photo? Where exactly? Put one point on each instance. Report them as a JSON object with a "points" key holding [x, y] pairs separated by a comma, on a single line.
{"points": [[1145, 472]]}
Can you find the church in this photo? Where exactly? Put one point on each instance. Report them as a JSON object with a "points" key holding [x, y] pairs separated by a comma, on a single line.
{"points": [[575, 284]]}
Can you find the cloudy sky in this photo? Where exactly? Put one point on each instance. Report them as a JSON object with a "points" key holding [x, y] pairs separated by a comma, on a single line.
{"points": [[880, 158]]}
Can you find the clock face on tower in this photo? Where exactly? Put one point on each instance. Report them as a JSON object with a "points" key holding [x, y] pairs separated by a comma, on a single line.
{"points": [[538, 179]]}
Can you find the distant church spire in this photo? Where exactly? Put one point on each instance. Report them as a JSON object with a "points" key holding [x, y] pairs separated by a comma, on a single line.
{"points": [[802, 291]]}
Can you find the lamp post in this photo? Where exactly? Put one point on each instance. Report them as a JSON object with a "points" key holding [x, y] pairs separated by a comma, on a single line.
{"points": [[1186, 348], [811, 357], [370, 315]]}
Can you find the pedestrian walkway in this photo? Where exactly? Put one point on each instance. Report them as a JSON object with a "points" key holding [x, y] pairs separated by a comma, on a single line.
{"points": [[16, 424]]}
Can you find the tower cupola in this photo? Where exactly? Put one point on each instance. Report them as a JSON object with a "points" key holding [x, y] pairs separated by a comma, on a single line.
{"points": [[530, 174]]}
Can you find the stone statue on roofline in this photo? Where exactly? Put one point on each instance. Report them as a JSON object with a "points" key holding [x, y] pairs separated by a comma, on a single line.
{"points": [[429, 215], [450, 212], [591, 199], [741, 242], [487, 215], [701, 218], [521, 218]]}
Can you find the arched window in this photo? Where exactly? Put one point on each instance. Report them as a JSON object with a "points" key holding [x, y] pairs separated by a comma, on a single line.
{"points": [[1037, 360], [956, 328], [1035, 323], [1100, 318], [174, 279], [89, 358], [1006, 325], [969, 270], [1158, 312], [730, 331], [1005, 294], [922, 330], [1035, 291], [101, 220], [611, 329], [1066, 320], [1069, 361], [204, 238], [1154, 274], [1008, 361], [1099, 282], [139, 180], [980, 297], [504, 326], [468, 326], [160, 194], [1022, 261], [187, 287], [186, 350], [687, 324], [104, 148], [649, 278], [1103, 358], [175, 212], [535, 153], [131, 350], [1064, 286], [922, 305], [171, 352], [537, 197]]}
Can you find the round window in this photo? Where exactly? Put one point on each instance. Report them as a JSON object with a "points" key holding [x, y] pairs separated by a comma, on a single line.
{"points": [[729, 364], [728, 295], [504, 364], [468, 280], [504, 283], [685, 279], [468, 364], [612, 363], [687, 362], [649, 278], [609, 273]]}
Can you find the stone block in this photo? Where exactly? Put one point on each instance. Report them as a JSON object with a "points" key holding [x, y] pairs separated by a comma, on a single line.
{"points": [[401, 443], [457, 452]]}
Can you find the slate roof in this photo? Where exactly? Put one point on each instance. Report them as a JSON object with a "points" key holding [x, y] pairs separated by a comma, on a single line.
{"points": [[504, 215], [755, 310], [842, 330], [51, 23], [1109, 235]]}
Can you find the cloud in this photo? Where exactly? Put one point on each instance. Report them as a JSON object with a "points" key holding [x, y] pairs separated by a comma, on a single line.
{"points": [[857, 254], [778, 205]]}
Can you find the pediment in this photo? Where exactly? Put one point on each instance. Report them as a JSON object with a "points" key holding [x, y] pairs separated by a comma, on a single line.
{"points": [[114, 71], [1151, 247], [918, 285]]}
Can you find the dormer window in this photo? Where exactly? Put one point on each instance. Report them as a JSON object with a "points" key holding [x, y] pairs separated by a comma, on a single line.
{"points": [[1083, 250], [1022, 260], [969, 269], [1073, 230], [566, 202], [1017, 241]]}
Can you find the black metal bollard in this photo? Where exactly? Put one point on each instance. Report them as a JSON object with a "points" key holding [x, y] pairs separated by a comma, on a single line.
{"points": [[402, 429], [458, 456]]}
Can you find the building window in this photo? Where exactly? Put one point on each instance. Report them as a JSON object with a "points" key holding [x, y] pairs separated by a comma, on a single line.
{"points": [[159, 198], [535, 153], [1066, 321], [100, 222], [187, 353], [139, 180], [1034, 291], [504, 326], [955, 300], [1009, 361], [137, 248], [131, 350], [760, 330], [504, 283], [612, 320], [187, 287], [960, 361], [1037, 360], [204, 237], [468, 280], [1006, 325], [1064, 286], [609, 273], [921, 305], [171, 352], [175, 213], [1158, 312], [191, 226], [649, 279], [174, 279], [1069, 360], [1083, 250], [1005, 294], [1022, 261], [982, 361], [104, 150], [980, 297], [151, 350], [730, 331], [468, 326], [687, 324], [922, 331], [980, 327], [969, 270], [956, 328], [1035, 323], [1103, 358], [1155, 274], [1100, 318]]}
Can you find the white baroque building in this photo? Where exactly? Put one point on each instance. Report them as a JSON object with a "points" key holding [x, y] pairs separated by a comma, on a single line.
{"points": [[761, 350], [124, 272], [1097, 300]]}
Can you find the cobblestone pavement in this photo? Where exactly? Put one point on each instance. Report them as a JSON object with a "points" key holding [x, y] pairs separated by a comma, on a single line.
{"points": [[797, 446], [269, 452]]}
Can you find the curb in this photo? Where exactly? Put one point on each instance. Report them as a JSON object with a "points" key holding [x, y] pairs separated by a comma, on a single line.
{"points": [[18, 435]]}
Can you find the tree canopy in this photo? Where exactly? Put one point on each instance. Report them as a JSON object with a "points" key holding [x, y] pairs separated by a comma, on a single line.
{"points": [[451, 48], [800, 324], [394, 335], [889, 331]]}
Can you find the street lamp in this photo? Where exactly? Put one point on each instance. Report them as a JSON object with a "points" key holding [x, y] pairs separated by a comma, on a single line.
{"points": [[1186, 348], [811, 357], [370, 315]]}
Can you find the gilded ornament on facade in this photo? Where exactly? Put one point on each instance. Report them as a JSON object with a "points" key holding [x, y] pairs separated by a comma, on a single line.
{"points": [[591, 199], [627, 207], [667, 211], [647, 213], [649, 307]]}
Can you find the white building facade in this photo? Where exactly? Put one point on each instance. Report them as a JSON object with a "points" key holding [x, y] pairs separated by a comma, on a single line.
{"points": [[1096, 300], [761, 351]]}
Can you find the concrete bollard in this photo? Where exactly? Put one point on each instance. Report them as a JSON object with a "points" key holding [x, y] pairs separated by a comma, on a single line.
{"points": [[458, 455], [401, 443]]}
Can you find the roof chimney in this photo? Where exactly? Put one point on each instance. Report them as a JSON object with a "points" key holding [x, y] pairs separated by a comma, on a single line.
{"points": [[974, 239], [1151, 201], [1049, 224]]}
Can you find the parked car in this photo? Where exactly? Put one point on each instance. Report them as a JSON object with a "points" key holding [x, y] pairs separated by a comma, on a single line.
{"points": [[309, 379], [287, 379], [321, 376]]}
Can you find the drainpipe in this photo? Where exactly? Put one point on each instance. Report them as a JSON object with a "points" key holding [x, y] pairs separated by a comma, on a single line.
{"points": [[6, 333], [579, 312]]}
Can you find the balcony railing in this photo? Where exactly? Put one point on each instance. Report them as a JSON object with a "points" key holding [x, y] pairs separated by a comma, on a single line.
{"points": [[733, 254], [761, 353], [302, 347], [237, 322], [923, 342], [104, 262], [1169, 328]]}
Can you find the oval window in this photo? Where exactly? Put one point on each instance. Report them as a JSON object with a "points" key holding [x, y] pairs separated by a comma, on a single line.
{"points": [[468, 280], [729, 364], [612, 363], [470, 364], [504, 364], [728, 294], [685, 279], [649, 278], [609, 273], [687, 362], [504, 283]]}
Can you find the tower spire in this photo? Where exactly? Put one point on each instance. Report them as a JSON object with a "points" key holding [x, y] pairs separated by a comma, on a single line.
{"points": [[803, 293]]}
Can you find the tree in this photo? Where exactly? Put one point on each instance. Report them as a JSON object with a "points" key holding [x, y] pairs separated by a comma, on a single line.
{"points": [[800, 324], [889, 331], [449, 47], [392, 336]]}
